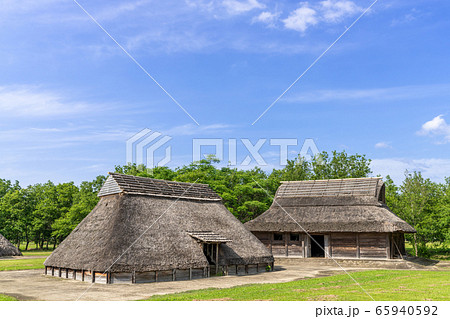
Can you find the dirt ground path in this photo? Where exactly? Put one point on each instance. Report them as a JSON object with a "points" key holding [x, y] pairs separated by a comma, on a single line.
{"points": [[33, 285]]}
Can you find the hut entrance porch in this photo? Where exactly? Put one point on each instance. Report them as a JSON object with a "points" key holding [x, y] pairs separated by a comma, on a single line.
{"points": [[318, 246], [211, 252]]}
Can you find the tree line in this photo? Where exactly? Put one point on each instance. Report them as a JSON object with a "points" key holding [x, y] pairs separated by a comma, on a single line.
{"points": [[46, 213]]}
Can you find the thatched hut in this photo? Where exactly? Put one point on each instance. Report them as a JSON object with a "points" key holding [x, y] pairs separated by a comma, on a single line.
{"points": [[8, 249], [339, 218], [146, 230]]}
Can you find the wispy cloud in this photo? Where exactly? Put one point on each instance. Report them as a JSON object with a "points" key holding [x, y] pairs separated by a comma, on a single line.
{"points": [[329, 11], [238, 7], [191, 129], [390, 93], [268, 18], [383, 145], [436, 127], [34, 101], [434, 168]]}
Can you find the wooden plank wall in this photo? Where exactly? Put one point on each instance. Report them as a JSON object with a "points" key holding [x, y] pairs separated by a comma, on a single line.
{"points": [[374, 245], [343, 245]]}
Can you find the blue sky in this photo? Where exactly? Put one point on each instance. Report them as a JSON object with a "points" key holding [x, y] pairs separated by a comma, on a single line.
{"points": [[70, 97]]}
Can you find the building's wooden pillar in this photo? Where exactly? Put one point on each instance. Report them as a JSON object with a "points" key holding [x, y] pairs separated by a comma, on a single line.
{"points": [[217, 259], [270, 242], [358, 251], [174, 274], [303, 245], [93, 276], [67, 273], [156, 276], [108, 277], [82, 275], [246, 269], [133, 277], [388, 246], [74, 274], [45, 270], [286, 253], [190, 273]]}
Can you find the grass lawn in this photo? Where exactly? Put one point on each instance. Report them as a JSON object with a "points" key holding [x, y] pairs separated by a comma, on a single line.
{"points": [[7, 298], [36, 253], [21, 264], [382, 285]]}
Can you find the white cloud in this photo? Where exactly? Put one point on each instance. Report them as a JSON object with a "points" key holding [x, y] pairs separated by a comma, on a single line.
{"points": [[192, 129], [435, 169], [329, 11], [375, 94], [237, 7], [302, 18], [267, 17], [436, 127], [383, 145], [334, 11], [33, 101]]}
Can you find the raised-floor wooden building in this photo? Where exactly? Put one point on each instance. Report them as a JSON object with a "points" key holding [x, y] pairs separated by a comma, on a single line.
{"points": [[339, 218], [147, 230]]}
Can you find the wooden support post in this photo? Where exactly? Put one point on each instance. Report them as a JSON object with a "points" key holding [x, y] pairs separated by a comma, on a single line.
{"points": [[133, 277], [303, 245], [59, 272], [388, 247], [257, 268], [82, 275], [246, 269], [286, 252], [108, 277], [226, 270], [270, 242], [93, 276], [45, 270], [74, 274], [358, 251], [67, 273], [217, 259], [156, 276], [190, 273], [174, 274]]}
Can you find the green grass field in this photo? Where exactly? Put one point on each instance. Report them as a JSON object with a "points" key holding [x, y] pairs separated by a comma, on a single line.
{"points": [[382, 285], [21, 264], [7, 298], [44, 253]]}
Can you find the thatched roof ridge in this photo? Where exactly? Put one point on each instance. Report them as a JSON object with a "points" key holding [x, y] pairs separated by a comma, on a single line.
{"points": [[118, 220], [353, 205], [121, 183], [8, 249]]}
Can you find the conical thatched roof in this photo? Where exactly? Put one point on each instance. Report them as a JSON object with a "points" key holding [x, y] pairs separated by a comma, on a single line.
{"points": [[339, 205], [166, 219], [8, 249]]}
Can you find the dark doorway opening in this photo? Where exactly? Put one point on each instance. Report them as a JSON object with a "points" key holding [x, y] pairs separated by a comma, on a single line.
{"points": [[317, 246]]}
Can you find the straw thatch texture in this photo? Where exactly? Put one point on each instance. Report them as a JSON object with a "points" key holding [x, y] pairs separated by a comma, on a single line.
{"points": [[8, 249], [128, 184], [159, 227], [342, 205]]}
